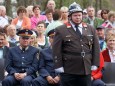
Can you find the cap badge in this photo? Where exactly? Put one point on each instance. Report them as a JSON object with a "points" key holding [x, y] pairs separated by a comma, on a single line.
{"points": [[26, 33]]}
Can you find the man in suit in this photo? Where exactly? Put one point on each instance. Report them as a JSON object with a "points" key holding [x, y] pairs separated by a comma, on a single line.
{"points": [[47, 75], [75, 50], [3, 54], [22, 62], [3, 49]]}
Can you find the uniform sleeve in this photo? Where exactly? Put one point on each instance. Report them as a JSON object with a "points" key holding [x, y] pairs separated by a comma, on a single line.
{"points": [[95, 49], [57, 50], [42, 67], [34, 67], [9, 64]]}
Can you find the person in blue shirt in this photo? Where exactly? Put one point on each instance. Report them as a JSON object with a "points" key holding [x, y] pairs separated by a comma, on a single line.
{"points": [[101, 35]]}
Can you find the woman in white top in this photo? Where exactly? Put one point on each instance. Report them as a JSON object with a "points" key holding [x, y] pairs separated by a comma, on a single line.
{"points": [[42, 39]]}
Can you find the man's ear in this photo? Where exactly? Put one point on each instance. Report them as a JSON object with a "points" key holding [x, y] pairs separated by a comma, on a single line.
{"points": [[69, 18]]}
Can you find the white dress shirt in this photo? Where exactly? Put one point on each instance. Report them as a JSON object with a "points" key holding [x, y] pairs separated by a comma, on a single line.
{"points": [[112, 56]]}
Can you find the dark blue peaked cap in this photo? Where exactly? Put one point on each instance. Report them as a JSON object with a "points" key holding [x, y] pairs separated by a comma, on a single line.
{"points": [[24, 32]]}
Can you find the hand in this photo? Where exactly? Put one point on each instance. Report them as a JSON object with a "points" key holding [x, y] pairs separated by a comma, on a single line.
{"points": [[22, 75], [57, 79], [50, 80], [16, 75]]}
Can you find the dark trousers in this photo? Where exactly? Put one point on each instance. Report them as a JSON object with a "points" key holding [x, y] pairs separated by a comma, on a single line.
{"points": [[40, 81], [75, 80], [11, 81], [98, 82]]}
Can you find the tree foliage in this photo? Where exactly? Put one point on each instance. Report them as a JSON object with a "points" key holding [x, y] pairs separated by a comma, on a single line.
{"points": [[98, 4]]}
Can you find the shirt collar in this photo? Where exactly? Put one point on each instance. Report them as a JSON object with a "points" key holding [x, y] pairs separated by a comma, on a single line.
{"points": [[2, 47], [91, 19], [73, 25], [25, 48], [48, 21]]}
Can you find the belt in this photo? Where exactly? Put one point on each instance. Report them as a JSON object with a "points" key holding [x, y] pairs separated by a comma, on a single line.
{"points": [[22, 71], [77, 54]]}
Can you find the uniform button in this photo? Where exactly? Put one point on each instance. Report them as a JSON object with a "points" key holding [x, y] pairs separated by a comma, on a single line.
{"points": [[65, 58], [55, 57], [81, 40], [22, 69], [81, 45], [22, 57], [22, 63], [56, 61], [69, 40]]}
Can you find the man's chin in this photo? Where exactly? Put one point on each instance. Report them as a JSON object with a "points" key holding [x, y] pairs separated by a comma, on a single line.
{"points": [[25, 45], [1, 46]]}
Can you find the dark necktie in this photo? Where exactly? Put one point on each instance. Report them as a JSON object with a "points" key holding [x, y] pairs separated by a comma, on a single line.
{"points": [[23, 49], [13, 40], [77, 30], [101, 45], [1, 48]]}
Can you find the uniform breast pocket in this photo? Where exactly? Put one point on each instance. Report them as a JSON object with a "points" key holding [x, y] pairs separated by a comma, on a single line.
{"points": [[67, 58], [29, 59], [90, 39], [16, 59], [68, 40]]}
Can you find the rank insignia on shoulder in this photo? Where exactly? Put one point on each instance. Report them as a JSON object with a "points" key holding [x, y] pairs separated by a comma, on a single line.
{"points": [[68, 35], [38, 55]]}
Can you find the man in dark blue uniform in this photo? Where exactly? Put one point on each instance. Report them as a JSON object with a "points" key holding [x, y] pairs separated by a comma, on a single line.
{"points": [[48, 77], [22, 62]]}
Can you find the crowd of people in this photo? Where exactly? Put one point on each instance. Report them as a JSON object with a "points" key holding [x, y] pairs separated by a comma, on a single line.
{"points": [[56, 47]]}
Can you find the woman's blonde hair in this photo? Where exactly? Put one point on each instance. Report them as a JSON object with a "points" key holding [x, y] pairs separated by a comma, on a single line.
{"points": [[35, 42], [110, 14], [64, 8], [109, 34]]}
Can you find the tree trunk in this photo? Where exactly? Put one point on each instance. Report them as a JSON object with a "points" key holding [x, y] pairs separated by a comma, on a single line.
{"points": [[8, 7], [45, 4], [20, 3], [60, 3]]}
